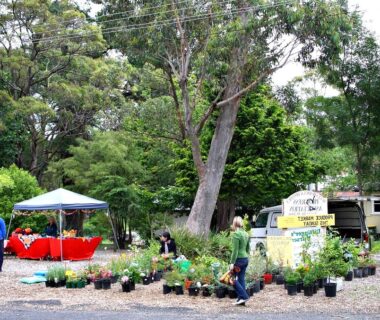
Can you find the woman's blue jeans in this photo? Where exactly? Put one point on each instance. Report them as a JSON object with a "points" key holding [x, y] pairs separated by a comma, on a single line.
{"points": [[242, 263]]}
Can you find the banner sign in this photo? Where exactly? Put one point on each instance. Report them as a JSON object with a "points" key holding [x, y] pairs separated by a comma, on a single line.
{"points": [[315, 235], [305, 203], [322, 220], [280, 249]]}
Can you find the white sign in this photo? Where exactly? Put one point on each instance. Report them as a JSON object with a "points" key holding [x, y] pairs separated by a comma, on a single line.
{"points": [[304, 203], [299, 237]]}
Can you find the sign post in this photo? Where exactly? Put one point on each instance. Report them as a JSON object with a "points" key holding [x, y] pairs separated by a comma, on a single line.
{"points": [[305, 218]]}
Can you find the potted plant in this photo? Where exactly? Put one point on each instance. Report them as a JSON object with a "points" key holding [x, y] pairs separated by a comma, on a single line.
{"points": [[255, 270], [292, 278], [371, 266], [309, 281], [125, 285], [207, 290], [332, 257], [106, 275]]}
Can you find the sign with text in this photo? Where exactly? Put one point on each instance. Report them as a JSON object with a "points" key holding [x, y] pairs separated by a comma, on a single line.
{"points": [[299, 236], [305, 203], [322, 220], [280, 249]]}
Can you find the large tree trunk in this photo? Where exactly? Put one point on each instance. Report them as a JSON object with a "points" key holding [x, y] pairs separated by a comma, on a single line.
{"points": [[225, 214], [205, 200]]}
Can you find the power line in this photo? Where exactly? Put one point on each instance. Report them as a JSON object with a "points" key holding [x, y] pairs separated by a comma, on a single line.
{"points": [[147, 15], [164, 22], [122, 13]]}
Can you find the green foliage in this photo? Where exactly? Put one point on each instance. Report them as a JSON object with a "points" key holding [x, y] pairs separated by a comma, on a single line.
{"points": [[256, 266], [310, 278], [193, 246], [17, 185], [292, 277], [56, 273], [331, 257]]}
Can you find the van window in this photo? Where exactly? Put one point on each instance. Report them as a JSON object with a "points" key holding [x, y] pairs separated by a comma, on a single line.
{"points": [[261, 221], [273, 223]]}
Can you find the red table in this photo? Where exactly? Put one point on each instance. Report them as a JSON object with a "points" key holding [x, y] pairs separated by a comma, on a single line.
{"points": [[39, 249], [73, 248]]}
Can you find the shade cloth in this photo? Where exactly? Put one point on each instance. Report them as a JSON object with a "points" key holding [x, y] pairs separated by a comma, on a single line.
{"points": [[41, 248], [60, 199]]}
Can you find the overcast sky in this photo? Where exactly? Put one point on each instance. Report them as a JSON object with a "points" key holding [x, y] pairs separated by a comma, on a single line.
{"points": [[370, 10]]}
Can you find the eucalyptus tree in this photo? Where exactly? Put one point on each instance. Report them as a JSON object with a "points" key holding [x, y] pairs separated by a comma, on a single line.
{"points": [[219, 51]]}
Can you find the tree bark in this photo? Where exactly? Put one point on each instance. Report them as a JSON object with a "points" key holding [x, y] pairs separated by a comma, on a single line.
{"points": [[205, 200], [225, 214]]}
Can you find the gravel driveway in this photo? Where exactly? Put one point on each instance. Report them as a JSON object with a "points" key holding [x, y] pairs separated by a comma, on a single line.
{"points": [[360, 297]]}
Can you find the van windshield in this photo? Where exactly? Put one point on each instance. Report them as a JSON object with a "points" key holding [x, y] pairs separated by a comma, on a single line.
{"points": [[261, 221]]}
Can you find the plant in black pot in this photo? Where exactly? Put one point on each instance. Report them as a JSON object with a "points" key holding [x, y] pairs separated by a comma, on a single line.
{"points": [[309, 283], [332, 258], [220, 290], [291, 279], [207, 290], [106, 275], [125, 284], [371, 266]]}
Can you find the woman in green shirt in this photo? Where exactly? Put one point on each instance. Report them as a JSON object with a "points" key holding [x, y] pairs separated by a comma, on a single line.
{"points": [[239, 258]]}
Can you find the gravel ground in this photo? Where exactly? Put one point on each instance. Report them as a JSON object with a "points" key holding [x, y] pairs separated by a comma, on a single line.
{"points": [[361, 296]]}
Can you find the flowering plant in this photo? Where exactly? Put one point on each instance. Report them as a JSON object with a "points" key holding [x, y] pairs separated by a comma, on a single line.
{"points": [[124, 279]]}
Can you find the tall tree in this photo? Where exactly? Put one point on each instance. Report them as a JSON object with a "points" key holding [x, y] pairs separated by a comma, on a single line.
{"points": [[352, 119], [231, 47]]}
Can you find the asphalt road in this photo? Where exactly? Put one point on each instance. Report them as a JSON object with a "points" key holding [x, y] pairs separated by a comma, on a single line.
{"points": [[140, 313]]}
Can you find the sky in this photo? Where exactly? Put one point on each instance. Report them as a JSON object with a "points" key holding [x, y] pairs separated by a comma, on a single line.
{"points": [[370, 10]]}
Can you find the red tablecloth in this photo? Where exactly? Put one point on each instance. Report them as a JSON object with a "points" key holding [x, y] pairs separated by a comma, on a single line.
{"points": [[73, 248], [39, 249]]}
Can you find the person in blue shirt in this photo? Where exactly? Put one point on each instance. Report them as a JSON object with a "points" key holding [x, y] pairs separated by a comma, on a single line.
{"points": [[3, 235], [51, 228]]}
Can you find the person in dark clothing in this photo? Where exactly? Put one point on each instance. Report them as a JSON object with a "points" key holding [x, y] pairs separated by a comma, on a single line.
{"points": [[3, 236], [168, 245], [51, 229]]}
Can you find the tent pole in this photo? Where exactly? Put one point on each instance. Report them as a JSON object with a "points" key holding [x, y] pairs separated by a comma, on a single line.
{"points": [[10, 222], [60, 232], [113, 229]]}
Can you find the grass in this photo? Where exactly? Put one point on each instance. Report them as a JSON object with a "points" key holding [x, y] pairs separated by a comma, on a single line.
{"points": [[376, 246]]}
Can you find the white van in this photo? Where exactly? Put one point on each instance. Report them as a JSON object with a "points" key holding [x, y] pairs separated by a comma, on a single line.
{"points": [[349, 222]]}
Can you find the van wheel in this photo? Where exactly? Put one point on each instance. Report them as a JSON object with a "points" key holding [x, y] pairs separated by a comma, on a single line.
{"points": [[261, 248]]}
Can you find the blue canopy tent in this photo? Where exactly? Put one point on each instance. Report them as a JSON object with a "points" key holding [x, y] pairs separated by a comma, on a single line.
{"points": [[61, 200]]}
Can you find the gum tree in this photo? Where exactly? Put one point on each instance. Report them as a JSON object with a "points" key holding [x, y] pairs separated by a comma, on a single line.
{"points": [[227, 48]]}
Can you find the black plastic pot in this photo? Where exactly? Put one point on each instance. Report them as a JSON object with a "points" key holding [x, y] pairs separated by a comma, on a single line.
{"points": [[166, 289], [321, 283], [299, 287], [358, 273], [98, 284], [49, 283], [250, 291], [81, 284], [126, 287], [308, 291], [315, 287], [330, 290], [106, 284], [372, 271], [262, 284], [88, 280], [145, 280], [114, 279], [132, 285], [157, 276], [292, 289], [193, 291], [349, 276], [280, 279], [232, 293], [179, 290], [220, 292], [206, 292], [365, 272], [256, 286]]}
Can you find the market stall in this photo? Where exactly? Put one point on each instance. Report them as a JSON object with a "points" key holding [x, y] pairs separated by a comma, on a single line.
{"points": [[66, 246]]}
